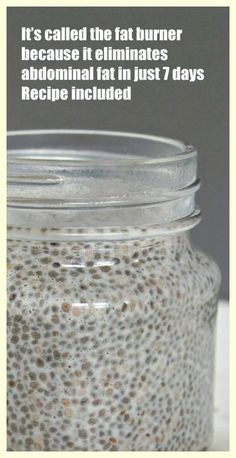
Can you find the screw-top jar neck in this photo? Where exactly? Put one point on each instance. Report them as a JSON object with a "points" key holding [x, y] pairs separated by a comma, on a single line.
{"points": [[82, 182]]}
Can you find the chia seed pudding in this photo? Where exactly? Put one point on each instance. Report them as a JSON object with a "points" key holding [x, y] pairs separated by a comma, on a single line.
{"points": [[111, 331]]}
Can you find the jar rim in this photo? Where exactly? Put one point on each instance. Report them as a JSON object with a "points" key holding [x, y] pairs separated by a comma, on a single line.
{"points": [[185, 150], [92, 178]]}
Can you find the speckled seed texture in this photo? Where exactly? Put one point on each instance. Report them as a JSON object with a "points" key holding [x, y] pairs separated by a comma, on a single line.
{"points": [[110, 345]]}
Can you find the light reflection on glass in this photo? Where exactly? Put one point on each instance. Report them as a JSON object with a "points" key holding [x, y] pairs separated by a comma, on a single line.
{"points": [[97, 264], [85, 305], [78, 266]]}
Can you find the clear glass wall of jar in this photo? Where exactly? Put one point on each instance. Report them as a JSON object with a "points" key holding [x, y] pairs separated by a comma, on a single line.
{"points": [[111, 311]]}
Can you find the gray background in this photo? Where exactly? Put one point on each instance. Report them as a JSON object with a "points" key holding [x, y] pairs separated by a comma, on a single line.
{"points": [[193, 112]]}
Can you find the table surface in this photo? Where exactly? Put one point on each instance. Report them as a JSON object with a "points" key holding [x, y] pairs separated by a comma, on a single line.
{"points": [[221, 410]]}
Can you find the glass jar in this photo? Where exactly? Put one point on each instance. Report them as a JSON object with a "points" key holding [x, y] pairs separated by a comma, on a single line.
{"points": [[111, 311]]}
